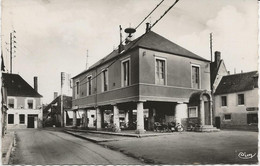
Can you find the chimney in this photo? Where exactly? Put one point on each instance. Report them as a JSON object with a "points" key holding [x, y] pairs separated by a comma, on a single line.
{"points": [[55, 95], [35, 82], [228, 72], [217, 57], [120, 46], [147, 27]]}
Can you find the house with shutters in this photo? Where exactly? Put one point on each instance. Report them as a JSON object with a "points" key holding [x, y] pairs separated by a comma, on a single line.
{"points": [[149, 79], [23, 102], [236, 101]]}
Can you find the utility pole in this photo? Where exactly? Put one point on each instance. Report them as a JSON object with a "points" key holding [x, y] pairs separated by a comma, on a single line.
{"points": [[210, 47], [61, 99], [87, 61], [11, 51]]}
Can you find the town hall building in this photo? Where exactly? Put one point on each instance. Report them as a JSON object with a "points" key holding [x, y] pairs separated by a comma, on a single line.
{"points": [[147, 80]]}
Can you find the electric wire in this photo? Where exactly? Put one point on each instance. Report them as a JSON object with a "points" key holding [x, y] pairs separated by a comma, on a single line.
{"points": [[165, 13], [149, 14], [118, 56], [120, 44]]}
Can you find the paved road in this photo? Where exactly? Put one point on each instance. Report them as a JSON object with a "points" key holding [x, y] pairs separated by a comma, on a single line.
{"points": [[54, 147]]}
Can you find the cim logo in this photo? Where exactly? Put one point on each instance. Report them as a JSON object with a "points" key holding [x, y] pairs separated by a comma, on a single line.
{"points": [[244, 155]]}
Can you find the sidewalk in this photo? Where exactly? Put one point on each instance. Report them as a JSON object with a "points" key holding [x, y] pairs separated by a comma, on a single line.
{"points": [[106, 136], [125, 133], [7, 144]]}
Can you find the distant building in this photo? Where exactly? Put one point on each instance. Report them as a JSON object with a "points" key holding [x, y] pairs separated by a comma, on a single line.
{"points": [[52, 112], [150, 79], [236, 101], [23, 102]]}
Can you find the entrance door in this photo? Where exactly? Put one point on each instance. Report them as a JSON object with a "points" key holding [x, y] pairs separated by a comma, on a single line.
{"points": [[30, 122], [207, 112], [217, 122]]}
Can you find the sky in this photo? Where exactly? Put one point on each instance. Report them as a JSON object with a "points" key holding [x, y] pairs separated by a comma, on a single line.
{"points": [[53, 36]]}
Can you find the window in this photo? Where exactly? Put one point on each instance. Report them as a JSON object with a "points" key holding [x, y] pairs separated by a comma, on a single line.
{"points": [[89, 85], [21, 118], [125, 73], [193, 113], [160, 72], [30, 104], [77, 89], [227, 117], [195, 77], [252, 118], [223, 100], [104, 80], [11, 103], [241, 100], [10, 118]]}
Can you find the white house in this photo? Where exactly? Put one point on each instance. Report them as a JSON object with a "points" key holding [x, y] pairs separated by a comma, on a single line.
{"points": [[236, 101], [23, 102]]}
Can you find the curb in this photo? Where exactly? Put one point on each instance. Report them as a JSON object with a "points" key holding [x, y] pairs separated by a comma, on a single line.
{"points": [[142, 159], [6, 159], [118, 134], [102, 132], [79, 136]]}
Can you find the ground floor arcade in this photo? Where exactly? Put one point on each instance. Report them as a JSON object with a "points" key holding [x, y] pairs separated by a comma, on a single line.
{"points": [[142, 115]]}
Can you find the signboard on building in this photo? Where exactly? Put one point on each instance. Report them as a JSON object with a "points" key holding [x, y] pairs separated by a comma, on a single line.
{"points": [[252, 108]]}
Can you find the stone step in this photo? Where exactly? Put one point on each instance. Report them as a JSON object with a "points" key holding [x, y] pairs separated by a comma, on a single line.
{"points": [[207, 128]]}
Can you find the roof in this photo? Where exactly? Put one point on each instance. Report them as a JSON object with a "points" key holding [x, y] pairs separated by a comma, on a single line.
{"points": [[237, 83], [152, 41], [17, 86], [216, 70]]}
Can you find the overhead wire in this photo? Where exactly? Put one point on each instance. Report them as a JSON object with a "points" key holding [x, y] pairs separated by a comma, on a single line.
{"points": [[120, 44], [176, 1], [149, 14]]}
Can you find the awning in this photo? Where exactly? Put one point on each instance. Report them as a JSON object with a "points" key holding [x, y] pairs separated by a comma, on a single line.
{"points": [[78, 113]]}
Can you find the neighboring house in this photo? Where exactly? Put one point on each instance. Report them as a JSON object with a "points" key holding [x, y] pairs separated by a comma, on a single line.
{"points": [[236, 101], [23, 102], [217, 71], [151, 80], [52, 112]]}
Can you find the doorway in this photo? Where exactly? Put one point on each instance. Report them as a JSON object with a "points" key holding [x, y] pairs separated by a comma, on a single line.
{"points": [[32, 121], [207, 112], [217, 122]]}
